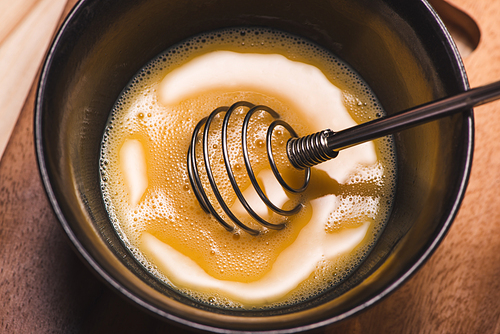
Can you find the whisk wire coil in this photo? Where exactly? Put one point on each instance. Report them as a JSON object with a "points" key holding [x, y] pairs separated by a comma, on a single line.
{"points": [[197, 185], [310, 150]]}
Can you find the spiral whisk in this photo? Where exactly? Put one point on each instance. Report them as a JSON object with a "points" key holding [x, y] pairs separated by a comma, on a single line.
{"points": [[194, 173], [307, 151]]}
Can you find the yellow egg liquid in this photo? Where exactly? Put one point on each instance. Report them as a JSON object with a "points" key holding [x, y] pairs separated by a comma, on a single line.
{"points": [[152, 205]]}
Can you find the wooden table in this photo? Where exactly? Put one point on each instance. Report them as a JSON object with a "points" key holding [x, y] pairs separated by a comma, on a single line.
{"points": [[44, 287]]}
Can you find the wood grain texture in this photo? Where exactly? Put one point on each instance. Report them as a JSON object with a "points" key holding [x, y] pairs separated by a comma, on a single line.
{"points": [[44, 287], [26, 28]]}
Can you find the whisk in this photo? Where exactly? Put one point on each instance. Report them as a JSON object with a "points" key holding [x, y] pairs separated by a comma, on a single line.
{"points": [[308, 151]]}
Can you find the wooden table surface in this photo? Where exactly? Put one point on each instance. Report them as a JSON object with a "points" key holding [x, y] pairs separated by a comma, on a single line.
{"points": [[44, 287]]}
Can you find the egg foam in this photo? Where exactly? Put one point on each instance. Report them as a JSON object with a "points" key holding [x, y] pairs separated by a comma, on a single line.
{"points": [[148, 196]]}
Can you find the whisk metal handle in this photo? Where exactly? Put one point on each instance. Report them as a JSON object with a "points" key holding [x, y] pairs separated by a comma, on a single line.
{"points": [[311, 150]]}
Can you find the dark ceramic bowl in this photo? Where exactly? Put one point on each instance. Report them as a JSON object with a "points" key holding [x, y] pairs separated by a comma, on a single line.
{"points": [[400, 48]]}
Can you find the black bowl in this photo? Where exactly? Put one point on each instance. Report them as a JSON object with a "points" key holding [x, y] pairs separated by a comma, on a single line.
{"points": [[400, 48]]}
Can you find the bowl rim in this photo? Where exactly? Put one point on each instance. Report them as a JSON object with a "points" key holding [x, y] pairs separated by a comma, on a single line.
{"points": [[92, 263]]}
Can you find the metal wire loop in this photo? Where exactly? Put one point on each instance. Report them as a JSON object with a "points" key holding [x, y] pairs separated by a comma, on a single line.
{"points": [[196, 182]]}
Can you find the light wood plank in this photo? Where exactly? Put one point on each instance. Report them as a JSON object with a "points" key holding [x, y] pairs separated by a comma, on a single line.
{"points": [[25, 36]]}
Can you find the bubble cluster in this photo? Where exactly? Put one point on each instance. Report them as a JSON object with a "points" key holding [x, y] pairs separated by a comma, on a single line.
{"points": [[169, 211]]}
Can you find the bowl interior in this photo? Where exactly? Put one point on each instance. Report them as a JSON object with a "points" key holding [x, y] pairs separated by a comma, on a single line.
{"points": [[402, 52]]}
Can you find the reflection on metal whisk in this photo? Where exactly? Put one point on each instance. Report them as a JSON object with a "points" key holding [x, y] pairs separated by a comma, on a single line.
{"points": [[311, 150]]}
